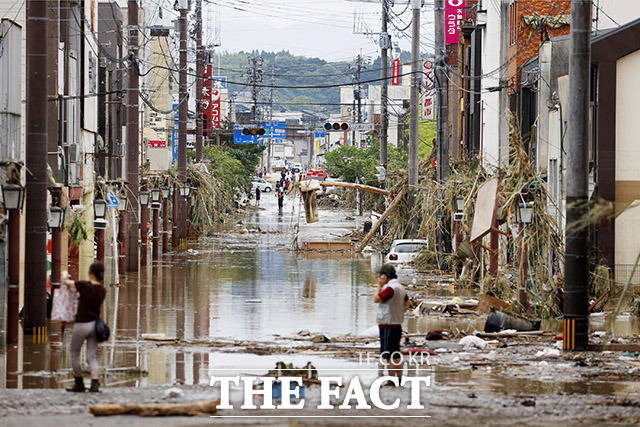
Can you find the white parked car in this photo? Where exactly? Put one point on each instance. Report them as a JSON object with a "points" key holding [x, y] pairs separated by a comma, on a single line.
{"points": [[257, 182], [405, 250]]}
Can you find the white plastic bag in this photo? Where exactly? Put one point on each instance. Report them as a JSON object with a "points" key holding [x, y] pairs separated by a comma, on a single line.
{"points": [[65, 304]]}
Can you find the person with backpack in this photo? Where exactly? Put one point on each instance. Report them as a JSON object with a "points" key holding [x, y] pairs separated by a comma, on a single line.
{"points": [[91, 296]]}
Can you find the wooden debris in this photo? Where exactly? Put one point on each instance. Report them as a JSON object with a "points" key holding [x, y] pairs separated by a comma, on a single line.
{"points": [[154, 410], [384, 216], [487, 302], [356, 186]]}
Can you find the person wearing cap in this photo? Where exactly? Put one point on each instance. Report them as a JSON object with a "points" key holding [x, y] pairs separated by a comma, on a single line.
{"points": [[392, 301]]}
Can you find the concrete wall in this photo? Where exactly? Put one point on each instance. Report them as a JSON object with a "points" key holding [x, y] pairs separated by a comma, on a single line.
{"points": [[627, 157], [490, 101]]}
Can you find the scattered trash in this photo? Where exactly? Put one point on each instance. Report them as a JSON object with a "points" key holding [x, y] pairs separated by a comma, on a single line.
{"points": [[498, 321], [419, 350], [559, 337], [472, 341], [253, 301], [320, 338], [529, 402], [548, 352], [436, 334], [370, 332], [488, 301], [173, 392]]}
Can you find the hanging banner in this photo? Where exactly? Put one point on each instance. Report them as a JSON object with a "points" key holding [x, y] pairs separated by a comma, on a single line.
{"points": [[214, 108], [454, 11], [395, 81], [207, 89], [429, 93], [174, 133]]}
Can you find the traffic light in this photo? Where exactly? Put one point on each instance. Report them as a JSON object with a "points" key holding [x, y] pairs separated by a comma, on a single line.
{"points": [[336, 126], [253, 131]]}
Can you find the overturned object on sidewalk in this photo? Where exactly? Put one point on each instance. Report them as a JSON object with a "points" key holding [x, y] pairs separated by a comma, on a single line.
{"points": [[308, 190], [154, 410], [488, 302], [451, 306], [498, 321]]}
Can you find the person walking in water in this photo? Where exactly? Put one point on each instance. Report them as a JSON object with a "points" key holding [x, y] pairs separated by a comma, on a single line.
{"points": [[92, 295], [392, 300], [257, 196], [280, 198]]}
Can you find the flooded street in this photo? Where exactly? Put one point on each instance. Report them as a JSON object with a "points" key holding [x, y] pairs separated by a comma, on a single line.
{"points": [[241, 301]]}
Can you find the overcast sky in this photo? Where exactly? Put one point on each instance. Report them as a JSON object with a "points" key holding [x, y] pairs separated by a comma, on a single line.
{"points": [[317, 28]]}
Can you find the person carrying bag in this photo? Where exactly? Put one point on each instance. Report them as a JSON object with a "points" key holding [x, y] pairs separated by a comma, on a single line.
{"points": [[88, 325]]}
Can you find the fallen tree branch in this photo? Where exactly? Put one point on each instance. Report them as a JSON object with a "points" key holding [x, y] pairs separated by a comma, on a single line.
{"points": [[149, 410], [356, 186], [384, 216]]}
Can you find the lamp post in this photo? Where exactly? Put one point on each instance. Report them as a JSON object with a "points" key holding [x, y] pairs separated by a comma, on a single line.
{"points": [[99, 225], [457, 219], [13, 196], [525, 216], [144, 219], [155, 208], [56, 225], [166, 193]]}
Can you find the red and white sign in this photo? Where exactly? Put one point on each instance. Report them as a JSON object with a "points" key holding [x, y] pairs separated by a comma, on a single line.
{"points": [[158, 144], [395, 81], [454, 11], [210, 102], [429, 94]]}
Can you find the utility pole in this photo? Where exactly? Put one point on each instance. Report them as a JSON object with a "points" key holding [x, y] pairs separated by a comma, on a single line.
{"points": [[182, 119], [385, 44], [35, 291], [357, 95], [442, 132], [576, 295], [132, 138], [414, 127], [254, 78], [199, 74]]}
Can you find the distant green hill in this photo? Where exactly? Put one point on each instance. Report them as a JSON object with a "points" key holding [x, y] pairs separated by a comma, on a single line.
{"points": [[284, 69]]}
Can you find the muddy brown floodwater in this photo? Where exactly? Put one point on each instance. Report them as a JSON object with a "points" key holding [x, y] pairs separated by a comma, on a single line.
{"points": [[240, 301]]}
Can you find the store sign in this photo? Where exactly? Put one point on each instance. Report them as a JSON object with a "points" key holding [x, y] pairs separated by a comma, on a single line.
{"points": [[395, 81], [214, 108], [174, 133], [429, 93], [207, 101], [454, 11], [158, 144]]}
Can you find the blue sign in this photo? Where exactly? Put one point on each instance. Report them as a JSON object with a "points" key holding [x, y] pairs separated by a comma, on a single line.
{"points": [[319, 134], [174, 133], [276, 131], [239, 138], [219, 82], [112, 200]]}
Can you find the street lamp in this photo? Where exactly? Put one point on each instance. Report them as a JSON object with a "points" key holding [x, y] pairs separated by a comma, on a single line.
{"points": [[123, 202], [144, 197], [99, 223], [13, 196], [55, 221], [185, 190], [155, 195], [99, 208], [459, 202], [525, 211]]}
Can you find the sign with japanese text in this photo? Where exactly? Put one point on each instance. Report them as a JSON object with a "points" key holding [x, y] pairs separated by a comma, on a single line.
{"points": [[454, 11], [429, 94], [395, 81], [219, 82], [158, 144], [210, 102], [174, 133], [275, 130]]}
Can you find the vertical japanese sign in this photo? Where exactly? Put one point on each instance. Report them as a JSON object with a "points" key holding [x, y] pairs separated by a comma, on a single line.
{"points": [[429, 94], [174, 133], [395, 81], [207, 100], [454, 11]]}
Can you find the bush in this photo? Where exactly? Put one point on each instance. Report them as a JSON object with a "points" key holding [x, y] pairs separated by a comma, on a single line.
{"points": [[351, 162]]}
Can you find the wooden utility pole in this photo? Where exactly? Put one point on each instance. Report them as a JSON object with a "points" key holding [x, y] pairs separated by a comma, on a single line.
{"points": [[576, 295], [385, 44], [182, 119], [199, 82], [133, 149], [35, 264], [414, 129]]}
